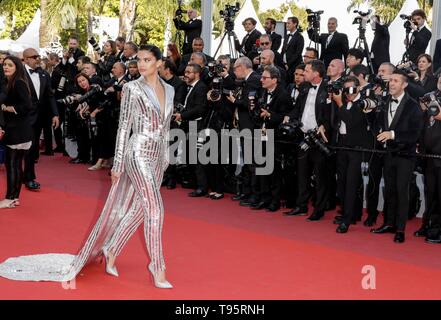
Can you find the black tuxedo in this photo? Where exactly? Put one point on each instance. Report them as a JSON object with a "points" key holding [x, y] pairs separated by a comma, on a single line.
{"points": [[276, 40], [407, 125], [43, 109], [418, 43], [105, 67], [337, 48], [293, 51], [313, 156], [192, 29], [429, 83], [119, 55], [437, 57], [186, 59], [196, 105], [252, 84], [248, 43], [180, 89], [380, 46]]}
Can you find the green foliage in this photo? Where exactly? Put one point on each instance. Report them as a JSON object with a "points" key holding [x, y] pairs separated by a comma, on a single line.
{"points": [[18, 14]]}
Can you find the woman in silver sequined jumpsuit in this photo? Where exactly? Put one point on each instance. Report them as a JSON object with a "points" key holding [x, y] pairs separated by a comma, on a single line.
{"points": [[141, 157]]}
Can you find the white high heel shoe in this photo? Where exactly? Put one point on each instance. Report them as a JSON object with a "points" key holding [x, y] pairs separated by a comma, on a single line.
{"points": [[158, 284], [110, 270]]}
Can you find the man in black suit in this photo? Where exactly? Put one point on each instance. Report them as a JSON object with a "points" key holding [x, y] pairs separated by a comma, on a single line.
{"points": [[276, 39], [380, 44], [250, 39], [267, 59], [420, 38], [120, 43], [354, 58], [130, 52], [198, 46], [192, 29], [243, 69], [400, 126], [292, 47], [274, 104], [312, 109], [266, 44], [437, 58], [43, 114], [352, 133], [90, 70], [334, 45], [195, 109], [74, 50]]}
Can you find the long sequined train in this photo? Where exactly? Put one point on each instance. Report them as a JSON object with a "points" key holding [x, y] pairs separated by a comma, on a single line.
{"points": [[141, 156]]}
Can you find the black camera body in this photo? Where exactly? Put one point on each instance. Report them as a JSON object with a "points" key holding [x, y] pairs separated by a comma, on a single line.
{"points": [[215, 69], [290, 131], [71, 50], [313, 139], [71, 99], [314, 18], [335, 87], [432, 100], [96, 46], [408, 23], [179, 12], [228, 14]]}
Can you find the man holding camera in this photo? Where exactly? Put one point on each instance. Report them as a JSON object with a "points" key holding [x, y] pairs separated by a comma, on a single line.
{"points": [[334, 45], [192, 28], [313, 110], [250, 39], [197, 46], [380, 44], [276, 39], [267, 59], [420, 38], [292, 47], [400, 126]]}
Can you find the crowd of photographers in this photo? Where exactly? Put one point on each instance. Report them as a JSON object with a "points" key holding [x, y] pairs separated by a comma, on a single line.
{"points": [[335, 119]]}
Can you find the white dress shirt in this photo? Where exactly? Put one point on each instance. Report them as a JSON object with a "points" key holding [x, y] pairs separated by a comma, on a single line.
{"points": [[35, 77], [308, 118], [393, 108]]}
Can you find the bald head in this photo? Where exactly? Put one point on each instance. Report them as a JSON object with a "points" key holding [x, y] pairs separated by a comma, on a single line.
{"points": [[335, 69], [31, 58], [267, 57]]}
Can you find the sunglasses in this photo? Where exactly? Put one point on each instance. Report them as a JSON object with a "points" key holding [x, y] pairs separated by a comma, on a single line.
{"points": [[265, 43], [34, 57]]}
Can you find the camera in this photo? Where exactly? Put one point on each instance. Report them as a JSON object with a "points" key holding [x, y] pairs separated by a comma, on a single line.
{"points": [[71, 99], [408, 67], [62, 83], [290, 131], [67, 100], [408, 23], [335, 87], [432, 100], [363, 18], [179, 12], [215, 69], [228, 15], [71, 50], [313, 139], [314, 18], [96, 46], [216, 90]]}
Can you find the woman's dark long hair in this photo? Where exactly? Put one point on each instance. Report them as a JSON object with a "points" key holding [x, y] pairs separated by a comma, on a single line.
{"points": [[81, 74], [20, 74], [113, 46]]}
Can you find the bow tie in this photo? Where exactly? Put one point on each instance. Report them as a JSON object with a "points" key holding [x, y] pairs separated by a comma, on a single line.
{"points": [[394, 100], [313, 87], [31, 71]]}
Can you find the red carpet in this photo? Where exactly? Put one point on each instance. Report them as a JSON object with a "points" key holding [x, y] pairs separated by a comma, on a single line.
{"points": [[214, 249]]}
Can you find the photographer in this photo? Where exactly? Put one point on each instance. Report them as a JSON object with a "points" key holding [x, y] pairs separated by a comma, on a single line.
{"points": [[269, 112], [352, 133], [437, 58], [292, 47], [265, 44], [354, 58], [400, 126], [313, 110], [107, 60], [219, 117], [310, 54], [267, 59], [420, 37], [294, 88], [380, 44], [334, 45], [133, 72], [73, 51], [431, 144], [192, 28], [424, 75], [198, 46], [250, 39], [120, 43], [243, 69], [194, 109], [90, 70], [276, 39], [130, 52]]}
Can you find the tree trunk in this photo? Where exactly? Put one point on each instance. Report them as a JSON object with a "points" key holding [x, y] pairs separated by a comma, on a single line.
{"points": [[127, 14], [89, 30], [45, 30]]}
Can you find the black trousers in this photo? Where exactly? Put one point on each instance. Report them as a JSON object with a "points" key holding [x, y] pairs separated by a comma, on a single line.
{"points": [[14, 172], [32, 155], [315, 160], [349, 183], [432, 216], [397, 175], [58, 132], [376, 164], [83, 136]]}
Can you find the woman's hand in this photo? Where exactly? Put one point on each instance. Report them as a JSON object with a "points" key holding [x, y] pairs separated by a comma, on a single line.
{"points": [[8, 109], [115, 176]]}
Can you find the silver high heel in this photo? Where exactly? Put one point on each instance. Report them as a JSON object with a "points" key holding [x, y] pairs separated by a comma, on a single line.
{"points": [[157, 283], [110, 270]]}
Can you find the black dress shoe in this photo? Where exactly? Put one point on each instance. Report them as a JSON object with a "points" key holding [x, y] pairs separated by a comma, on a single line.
{"points": [[260, 205], [47, 153], [248, 202], [297, 211], [342, 228], [399, 237], [370, 221], [421, 232], [197, 193], [384, 229], [32, 185], [273, 207], [435, 240], [171, 184], [315, 216], [238, 197], [78, 161]]}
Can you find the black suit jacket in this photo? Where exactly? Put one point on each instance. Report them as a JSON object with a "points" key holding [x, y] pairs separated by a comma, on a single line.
{"points": [[180, 89], [248, 42], [293, 50], [356, 121], [17, 126], [380, 46], [196, 106], [337, 49], [192, 30], [437, 57], [278, 107], [276, 40], [429, 83], [252, 84], [44, 105], [432, 140], [419, 44], [105, 67], [186, 59], [322, 107], [407, 124]]}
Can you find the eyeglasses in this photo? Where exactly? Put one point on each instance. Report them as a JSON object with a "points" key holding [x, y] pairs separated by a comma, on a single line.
{"points": [[265, 43]]}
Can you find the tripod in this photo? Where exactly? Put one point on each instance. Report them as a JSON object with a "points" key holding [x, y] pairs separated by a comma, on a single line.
{"points": [[229, 33], [177, 40], [361, 44], [406, 55]]}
